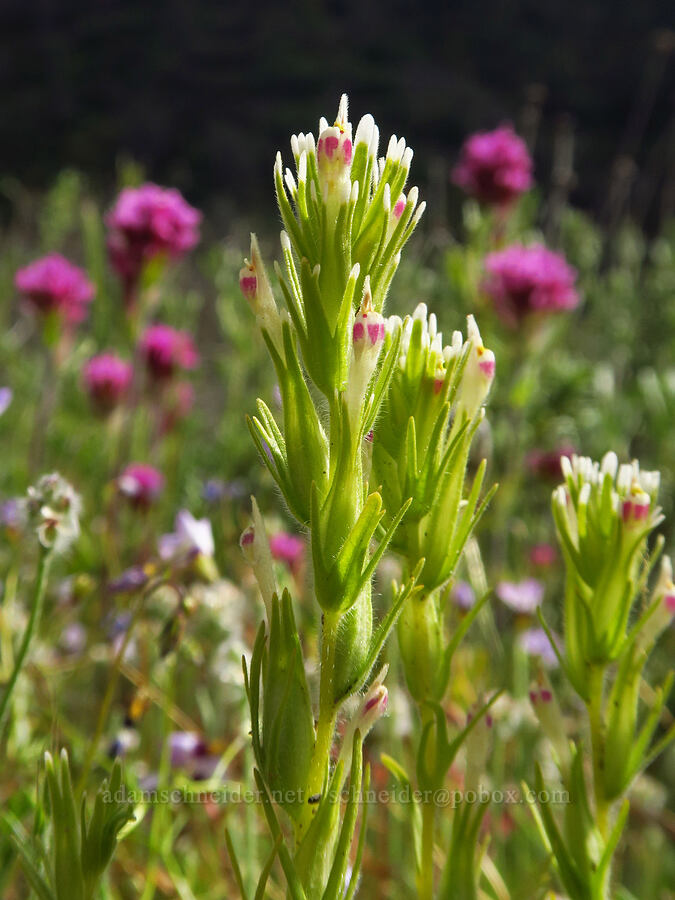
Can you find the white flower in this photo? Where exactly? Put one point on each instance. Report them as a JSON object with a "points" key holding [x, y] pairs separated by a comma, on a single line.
{"points": [[191, 536], [53, 508]]}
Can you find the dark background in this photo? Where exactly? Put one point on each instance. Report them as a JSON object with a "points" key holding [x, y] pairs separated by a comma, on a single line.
{"points": [[203, 92]]}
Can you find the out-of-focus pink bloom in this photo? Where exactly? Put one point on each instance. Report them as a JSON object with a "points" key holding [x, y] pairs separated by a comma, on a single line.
{"points": [[148, 221], [521, 596], [543, 555], [463, 595], [141, 483], [535, 642], [546, 463], [494, 167], [288, 548], [54, 285], [524, 280], [107, 379], [165, 349]]}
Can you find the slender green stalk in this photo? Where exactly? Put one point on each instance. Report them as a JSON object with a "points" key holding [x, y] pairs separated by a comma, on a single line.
{"points": [[31, 627], [595, 712], [425, 880], [326, 722]]}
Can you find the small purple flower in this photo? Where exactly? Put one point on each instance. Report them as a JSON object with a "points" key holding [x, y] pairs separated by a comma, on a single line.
{"points": [[146, 222], [521, 596], [535, 642], [463, 595], [495, 167], [129, 581], [12, 514], [524, 280], [107, 379], [6, 395], [54, 285], [189, 750], [141, 484], [184, 746], [73, 638], [166, 350], [288, 548], [216, 490]]}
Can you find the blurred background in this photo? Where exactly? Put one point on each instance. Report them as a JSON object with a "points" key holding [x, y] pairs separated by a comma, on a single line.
{"points": [[202, 93]]}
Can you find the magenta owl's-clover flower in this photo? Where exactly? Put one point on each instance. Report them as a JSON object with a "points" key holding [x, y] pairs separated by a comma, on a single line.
{"points": [[54, 285], [166, 350], [495, 167], [107, 380], [141, 484], [146, 222], [522, 281], [543, 555]]}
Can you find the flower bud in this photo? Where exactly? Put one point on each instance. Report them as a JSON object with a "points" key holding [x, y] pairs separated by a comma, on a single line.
{"points": [[334, 157], [478, 374], [368, 335], [663, 599], [256, 288], [256, 550], [635, 507], [422, 644], [372, 707]]}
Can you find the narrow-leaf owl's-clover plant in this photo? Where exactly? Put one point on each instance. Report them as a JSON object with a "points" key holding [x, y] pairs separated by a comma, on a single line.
{"points": [[420, 450], [346, 219], [604, 514]]}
